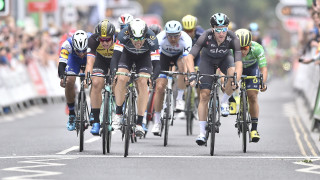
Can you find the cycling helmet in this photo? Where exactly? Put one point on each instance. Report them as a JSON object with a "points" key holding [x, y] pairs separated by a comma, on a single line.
{"points": [[80, 41], [232, 26], [189, 22], [244, 36], [105, 28], [155, 28], [137, 28], [253, 27], [124, 20], [219, 19], [173, 27]]}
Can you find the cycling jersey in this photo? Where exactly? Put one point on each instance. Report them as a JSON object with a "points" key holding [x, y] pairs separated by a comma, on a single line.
{"points": [[70, 58], [211, 48], [184, 45], [150, 44], [94, 47], [198, 32], [256, 54]]}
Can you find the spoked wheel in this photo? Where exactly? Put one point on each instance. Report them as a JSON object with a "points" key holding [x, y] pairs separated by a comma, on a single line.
{"points": [[167, 118], [212, 123], [128, 126], [82, 114], [106, 134], [188, 111], [244, 128]]}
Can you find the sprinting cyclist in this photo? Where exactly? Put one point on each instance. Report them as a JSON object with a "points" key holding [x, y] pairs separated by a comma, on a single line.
{"points": [[254, 62], [135, 44], [189, 24], [100, 51], [73, 55], [124, 20], [175, 45], [215, 43]]}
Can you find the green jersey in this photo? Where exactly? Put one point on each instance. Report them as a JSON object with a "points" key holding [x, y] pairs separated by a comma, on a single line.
{"points": [[255, 54]]}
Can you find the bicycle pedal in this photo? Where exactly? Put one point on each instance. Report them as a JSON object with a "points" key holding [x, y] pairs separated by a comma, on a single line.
{"points": [[157, 134]]}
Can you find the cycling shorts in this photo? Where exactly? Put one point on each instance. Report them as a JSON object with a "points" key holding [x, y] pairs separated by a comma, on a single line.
{"points": [[74, 63], [142, 61], [252, 84], [167, 61], [207, 67], [101, 65]]}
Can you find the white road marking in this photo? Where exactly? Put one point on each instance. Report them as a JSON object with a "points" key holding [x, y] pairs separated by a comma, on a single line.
{"points": [[30, 169], [92, 139], [312, 168], [68, 150], [164, 156]]}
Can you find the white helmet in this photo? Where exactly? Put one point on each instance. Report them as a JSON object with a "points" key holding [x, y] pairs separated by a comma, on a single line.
{"points": [[137, 28], [173, 27], [80, 40], [125, 19]]}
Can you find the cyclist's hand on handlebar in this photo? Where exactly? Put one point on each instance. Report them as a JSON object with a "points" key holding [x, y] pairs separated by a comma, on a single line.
{"points": [[192, 80], [264, 88]]}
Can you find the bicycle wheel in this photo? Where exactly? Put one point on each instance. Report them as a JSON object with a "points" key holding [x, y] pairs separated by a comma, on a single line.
{"points": [[82, 114], [213, 112], [167, 117], [127, 134], [244, 128], [188, 111], [105, 125]]}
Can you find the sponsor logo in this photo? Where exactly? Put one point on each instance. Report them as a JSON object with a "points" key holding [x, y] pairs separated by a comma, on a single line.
{"points": [[152, 37], [210, 37], [218, 51], [229, 38]]}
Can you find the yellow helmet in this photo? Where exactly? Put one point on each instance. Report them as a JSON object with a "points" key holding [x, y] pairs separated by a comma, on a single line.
{"points": [[189, 22], [232, 26], [244, 36]]}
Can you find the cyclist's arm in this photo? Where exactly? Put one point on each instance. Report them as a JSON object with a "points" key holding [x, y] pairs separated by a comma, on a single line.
{"points": [[155, 59], [237, 55], [117, 51], [91, 53], [196, 48], [63, 58]]}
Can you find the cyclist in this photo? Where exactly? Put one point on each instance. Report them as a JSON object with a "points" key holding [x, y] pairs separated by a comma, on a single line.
{"points": [[232, 26], [100, 51], [254, 62], [175, 45], [189, 24], [73, 55], [215, 44], [254, 28], [135, 44]]}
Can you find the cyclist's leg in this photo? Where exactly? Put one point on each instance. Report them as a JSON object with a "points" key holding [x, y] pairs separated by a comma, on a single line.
{"points": [[227, 67], [181, 85], [73, 67]]}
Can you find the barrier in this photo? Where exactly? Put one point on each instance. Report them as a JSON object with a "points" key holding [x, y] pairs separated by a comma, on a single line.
{"points": [[23, 86]]}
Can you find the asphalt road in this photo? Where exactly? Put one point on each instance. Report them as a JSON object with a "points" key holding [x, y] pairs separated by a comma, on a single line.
{"points": [[35, 144]]}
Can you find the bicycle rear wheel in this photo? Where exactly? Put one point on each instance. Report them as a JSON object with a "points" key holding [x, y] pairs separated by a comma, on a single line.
{"points": [[244, 128], [167, 117], [212, 123], [106, 138], [82, 114], [188, 111]]}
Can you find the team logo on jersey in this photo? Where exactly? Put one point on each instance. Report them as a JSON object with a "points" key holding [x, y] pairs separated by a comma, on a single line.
{"points": [[64, 53], [210, 37], [229, 38], [88, 50], [152, 37]]}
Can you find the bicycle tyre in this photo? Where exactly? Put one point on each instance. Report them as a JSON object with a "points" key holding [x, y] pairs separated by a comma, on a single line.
{"points": [[82, 114], [244, 121], [127, 135], [105, 125], [213, 116], [167, 116], [188, 111]]}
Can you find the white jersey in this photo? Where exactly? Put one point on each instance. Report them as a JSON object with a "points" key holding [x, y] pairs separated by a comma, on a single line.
{"points": [[183, 47]]}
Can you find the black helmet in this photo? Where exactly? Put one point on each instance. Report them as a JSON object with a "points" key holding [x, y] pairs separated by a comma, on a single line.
{"points": [[219, 19], [155, 28], [105, 28]]}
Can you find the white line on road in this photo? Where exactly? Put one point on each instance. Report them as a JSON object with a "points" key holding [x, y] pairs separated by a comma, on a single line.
{"points": [[92, 139], [158, 156], [312, 168], [68, 150]]}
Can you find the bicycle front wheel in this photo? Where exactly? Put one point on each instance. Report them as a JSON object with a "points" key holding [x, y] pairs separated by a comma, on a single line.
{"points": [[106, 135], [128, 129], [167, 117], [244, 126], [188, 111], [213, 113], [82, 114]]}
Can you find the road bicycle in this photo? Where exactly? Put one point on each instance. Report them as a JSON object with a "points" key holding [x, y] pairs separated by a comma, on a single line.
{"points": [[243, 121]]}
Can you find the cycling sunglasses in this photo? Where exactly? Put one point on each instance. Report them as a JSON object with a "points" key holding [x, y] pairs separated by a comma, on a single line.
{"points": [[105, 39], [218, 30], [245, 48], [80, 52], [173, 35], [137, 38]]}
